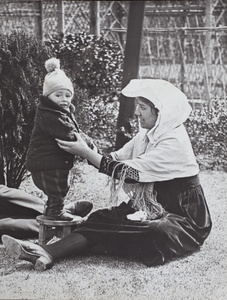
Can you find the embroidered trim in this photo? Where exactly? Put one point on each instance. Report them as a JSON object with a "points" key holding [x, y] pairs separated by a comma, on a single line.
{"points": [[114, 169]]}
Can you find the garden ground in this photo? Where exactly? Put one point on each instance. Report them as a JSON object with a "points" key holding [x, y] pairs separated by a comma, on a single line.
{"points": [[202, 275]]}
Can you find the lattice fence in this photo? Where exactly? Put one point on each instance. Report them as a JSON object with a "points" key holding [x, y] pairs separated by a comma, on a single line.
{"points": [[177, 37], [17, 15], [76, 17], [177, 43], [114, 17]]}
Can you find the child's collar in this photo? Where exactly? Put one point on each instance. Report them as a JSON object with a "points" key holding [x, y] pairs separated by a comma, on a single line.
{"points": [[47, 102]]}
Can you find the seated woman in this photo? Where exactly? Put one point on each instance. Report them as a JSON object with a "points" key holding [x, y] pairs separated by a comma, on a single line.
{"points": [[166, 215]]}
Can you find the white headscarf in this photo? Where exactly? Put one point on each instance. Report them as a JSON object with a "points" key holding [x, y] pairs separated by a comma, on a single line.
{"points": [[172, 104]]}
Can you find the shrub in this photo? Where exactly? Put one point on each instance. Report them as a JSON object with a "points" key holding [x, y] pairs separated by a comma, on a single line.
{"points": [[104, 123], [207, 129], [22, 70], [95, 63], [96, 118]]}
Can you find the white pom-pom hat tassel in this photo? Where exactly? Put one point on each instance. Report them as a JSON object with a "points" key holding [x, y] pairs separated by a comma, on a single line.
{"points": [[52, 64]]}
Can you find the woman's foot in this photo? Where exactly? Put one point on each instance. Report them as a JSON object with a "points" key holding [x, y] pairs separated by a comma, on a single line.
{"points": [[28, 251], [80, 207]]}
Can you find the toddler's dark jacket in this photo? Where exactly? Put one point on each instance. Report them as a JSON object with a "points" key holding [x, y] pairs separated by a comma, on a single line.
{"points": [[51, 121]]}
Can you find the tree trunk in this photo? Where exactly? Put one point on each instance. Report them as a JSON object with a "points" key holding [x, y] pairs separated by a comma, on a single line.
{"points": [[208, 51], [95, 18], [130, 69], [61, 21]]}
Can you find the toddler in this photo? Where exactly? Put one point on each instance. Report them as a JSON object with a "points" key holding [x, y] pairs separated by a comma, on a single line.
{"points": [[48, 163]]}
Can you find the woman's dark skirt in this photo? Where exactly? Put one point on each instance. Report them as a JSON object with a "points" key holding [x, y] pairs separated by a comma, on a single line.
{"points": [[182, 229]]}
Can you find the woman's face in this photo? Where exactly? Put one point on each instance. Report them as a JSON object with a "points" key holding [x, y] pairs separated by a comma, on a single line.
{"points": [[146, 112]]}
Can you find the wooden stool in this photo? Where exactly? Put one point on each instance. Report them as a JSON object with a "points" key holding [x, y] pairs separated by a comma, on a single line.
{"points": [[49, 228]]}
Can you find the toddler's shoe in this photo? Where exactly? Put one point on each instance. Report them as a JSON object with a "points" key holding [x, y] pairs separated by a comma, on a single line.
{"points": [[63, 216], [80, 207]]}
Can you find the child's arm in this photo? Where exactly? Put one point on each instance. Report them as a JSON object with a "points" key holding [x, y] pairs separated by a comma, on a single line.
{"points": [[58, 126]]}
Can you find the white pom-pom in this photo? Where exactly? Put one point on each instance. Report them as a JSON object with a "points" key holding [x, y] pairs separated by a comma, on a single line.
{"points": [[52, 64]]}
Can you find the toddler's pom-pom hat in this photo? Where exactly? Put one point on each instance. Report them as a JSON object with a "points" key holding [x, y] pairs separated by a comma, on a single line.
{"points": [[56, 78]]}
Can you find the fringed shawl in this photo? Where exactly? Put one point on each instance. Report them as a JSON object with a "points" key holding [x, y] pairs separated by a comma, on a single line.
{"points": [[142, 195]]}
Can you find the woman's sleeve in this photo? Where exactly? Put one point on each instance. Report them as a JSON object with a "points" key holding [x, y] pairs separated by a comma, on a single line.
{"points": [[115, 169]]}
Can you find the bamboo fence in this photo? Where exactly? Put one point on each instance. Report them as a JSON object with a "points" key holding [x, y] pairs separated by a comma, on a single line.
{"points": [[183, 42]]}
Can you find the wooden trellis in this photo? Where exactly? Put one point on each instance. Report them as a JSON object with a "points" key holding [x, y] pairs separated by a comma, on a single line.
{"points": [[183, 41]]}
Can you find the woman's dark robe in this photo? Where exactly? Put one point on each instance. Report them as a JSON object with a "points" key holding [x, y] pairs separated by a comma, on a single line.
{"points": [[183, 228]]}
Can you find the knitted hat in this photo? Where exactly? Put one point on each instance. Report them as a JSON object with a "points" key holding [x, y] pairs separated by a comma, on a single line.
{"points": [[56, 78]]}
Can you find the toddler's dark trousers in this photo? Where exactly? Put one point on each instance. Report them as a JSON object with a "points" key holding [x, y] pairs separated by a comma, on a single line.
{"points": [[55, 184]]}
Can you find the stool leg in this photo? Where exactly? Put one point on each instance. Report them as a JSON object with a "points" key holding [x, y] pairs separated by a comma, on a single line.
{"points": [[42, 234], [66, 231]]}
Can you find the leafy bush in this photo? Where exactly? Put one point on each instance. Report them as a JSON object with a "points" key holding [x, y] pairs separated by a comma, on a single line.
{"points": [[207, 129], [22, 70], [95, 63], [96, 118]]}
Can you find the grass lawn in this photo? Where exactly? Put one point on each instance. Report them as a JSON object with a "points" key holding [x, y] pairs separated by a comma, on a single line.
{"points": [[200, 276]]}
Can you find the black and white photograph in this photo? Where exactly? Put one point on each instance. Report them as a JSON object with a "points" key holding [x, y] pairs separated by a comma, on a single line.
{"points": [[113, 150]]}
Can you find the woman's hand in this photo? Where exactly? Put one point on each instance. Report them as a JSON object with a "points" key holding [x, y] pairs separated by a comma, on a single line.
{"points": [[78, 147]]}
